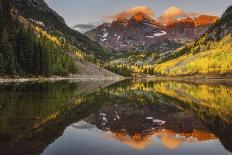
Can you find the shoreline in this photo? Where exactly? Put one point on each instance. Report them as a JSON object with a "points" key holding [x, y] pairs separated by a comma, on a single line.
{"points": [[194, 79], [58, 78]]}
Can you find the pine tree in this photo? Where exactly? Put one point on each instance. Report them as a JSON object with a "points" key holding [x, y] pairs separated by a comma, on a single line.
{"points": [[1, 64], [10, 58], [19, 51], [21, 60], [36, 59], [23, 52], [8, 54], [28, 53], [44, 60], [40, 59]]}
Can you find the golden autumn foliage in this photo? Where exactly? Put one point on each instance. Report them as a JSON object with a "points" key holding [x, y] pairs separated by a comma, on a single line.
{"points": [[59, 41], [140, 69], [215, 57], [210, 99], [216, 98]]}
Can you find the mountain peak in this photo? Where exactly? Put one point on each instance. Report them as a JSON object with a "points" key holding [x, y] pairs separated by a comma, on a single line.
{"points": [[140, 17], [143, 32], [205, 20], [202, 20]]}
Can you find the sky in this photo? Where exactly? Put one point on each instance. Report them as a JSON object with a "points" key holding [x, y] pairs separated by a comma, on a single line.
{"points": [[86, 14]]}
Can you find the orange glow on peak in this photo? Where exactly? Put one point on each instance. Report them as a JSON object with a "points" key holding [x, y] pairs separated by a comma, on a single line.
{"points": [[138, 18]]}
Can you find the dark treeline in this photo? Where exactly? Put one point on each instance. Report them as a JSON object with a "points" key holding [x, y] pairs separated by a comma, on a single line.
{"points": [[23, 53], [149, 71], [122, 70]]}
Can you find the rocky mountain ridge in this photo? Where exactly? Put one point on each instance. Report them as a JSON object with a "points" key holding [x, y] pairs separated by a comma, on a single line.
{"points": [[141, 32]]}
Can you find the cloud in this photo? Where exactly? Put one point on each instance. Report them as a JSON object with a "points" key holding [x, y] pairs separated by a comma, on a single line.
{"points": [[193, 14], [84, 27], [172, 14], [131, 12]]}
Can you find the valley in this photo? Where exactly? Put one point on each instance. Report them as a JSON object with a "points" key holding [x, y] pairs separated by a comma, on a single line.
{"points": [[103, 77], [134, 46]]}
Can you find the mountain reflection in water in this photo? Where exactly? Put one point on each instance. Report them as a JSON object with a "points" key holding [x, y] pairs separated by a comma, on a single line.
{"points": [[168, 138], [128, 117]]}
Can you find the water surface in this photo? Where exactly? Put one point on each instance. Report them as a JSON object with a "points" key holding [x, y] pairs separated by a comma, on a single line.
{"points": [[129, 117]]}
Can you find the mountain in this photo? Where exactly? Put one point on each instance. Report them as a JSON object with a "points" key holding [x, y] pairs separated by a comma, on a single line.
{"points": [[204, 20], [37, 11], [210, 54], [133, 127], [142, 32], [138, 32], [35, 41], [188, 29]]}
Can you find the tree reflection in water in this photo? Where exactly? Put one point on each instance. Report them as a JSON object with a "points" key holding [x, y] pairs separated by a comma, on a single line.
{"points": [[136, 114]]}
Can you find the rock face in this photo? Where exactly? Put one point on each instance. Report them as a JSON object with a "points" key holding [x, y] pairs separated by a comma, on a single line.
{"points": [[138, 32], [182, 30], [205, 20], [142, 32], [187, 29], [222, 27]]}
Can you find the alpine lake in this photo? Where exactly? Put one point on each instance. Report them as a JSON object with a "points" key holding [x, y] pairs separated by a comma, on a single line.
{"points": [[131, 117]]}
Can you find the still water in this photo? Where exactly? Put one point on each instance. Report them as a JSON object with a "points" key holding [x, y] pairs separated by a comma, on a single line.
{"points": [[104, 118]]}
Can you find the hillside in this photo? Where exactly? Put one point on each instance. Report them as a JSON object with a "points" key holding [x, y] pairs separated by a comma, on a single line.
{"points": [[39, 43], [38, 11], [28, 50], [211, 54]]}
